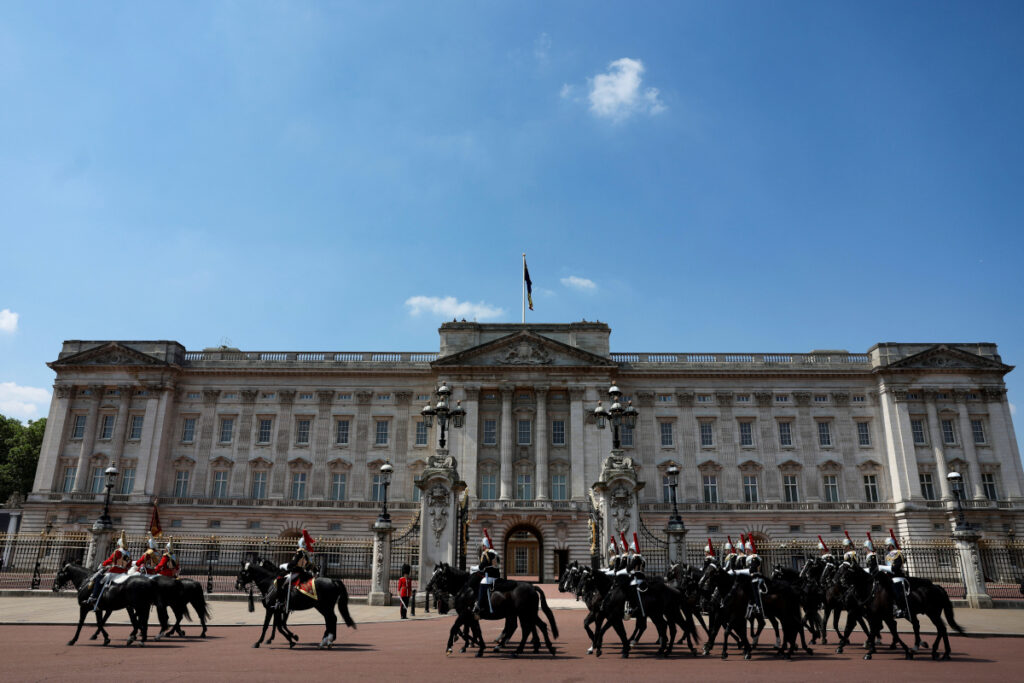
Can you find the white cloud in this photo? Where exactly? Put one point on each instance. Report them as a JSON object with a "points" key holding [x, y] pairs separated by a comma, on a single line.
{"points": [[8, 321], [566, 91], [449, 306], [580, 283], [541, 47], [617, 95], [23, 403]]}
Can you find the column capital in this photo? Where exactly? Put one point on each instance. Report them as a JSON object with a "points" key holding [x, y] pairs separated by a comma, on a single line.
{"points": [[541, 390], [286, 396], [325, 398], [210, 396], [63, 390], [645, 398], [403, 398], [685, 398], [959, 396], [363, 398], [841, 398], [249, 395], [723, 398], [506, 391], [764, 398], [994, 394], [98, 390], [577, 392], [802, 398]]}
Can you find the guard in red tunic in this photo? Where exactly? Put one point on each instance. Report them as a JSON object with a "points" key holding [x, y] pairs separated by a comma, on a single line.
{"points": [[146, 564], [404, 590], [168, 565], [299, 568], [117, 563]]}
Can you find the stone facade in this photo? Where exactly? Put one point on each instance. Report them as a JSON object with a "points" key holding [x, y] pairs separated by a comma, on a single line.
{"points": [[788, 445]]}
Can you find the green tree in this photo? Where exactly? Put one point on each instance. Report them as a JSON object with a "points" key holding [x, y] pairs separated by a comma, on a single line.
{"points": [[20, 446]]}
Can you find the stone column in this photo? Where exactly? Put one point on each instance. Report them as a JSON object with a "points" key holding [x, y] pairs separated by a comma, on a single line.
{"points": [[321, 444], [54, 438], [807, 430], [541, 447], [1004, 442], [357, 487], [935, 437], [901, 463], [240, 478], [121, 425], [470, 437], [89, 438], [380, 577], [676, 543], [158, 432], [99, 541], [279, 474], [207, 433], [439, 518], [506, 443], [768, 444], [970, 564], [577, 439], [967, 439], [617, 495], [647, 438], [690, 482], [400, 446]]}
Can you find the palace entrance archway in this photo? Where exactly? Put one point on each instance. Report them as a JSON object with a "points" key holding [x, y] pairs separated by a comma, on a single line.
{"points": [[523, 553]]}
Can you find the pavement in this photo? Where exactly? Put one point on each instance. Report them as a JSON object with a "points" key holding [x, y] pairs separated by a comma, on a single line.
{"points": [[63, 609]]}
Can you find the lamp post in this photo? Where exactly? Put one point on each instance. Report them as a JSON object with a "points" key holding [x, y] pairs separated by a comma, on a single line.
{"points": [[104, 521], [444, 413], [956, 483], [385, 479], [673, 481], [617, 414]]}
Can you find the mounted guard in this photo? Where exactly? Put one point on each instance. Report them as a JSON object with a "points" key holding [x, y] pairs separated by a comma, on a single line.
{"points": [[490, 572], [168, 565], [894, 566], [146, 564], [637, 565], [298, 569], [613, 557], [828, 558], [118, 563], [756, 577], [870, 557], [709, 553], [729, 558], [849, 552]]}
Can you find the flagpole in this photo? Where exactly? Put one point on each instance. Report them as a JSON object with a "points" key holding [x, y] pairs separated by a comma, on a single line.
{"points": [[524, 287]]}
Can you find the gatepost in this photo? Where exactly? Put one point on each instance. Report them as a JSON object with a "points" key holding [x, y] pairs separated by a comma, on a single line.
{"points": [[966, 541], [439, 528], [676, 533], [616, 496], [380, 576]]}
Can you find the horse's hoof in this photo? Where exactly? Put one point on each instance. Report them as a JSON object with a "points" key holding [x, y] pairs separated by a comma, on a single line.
{"points": [[725, 655], [94, 636], [256, 645], [809, 651], [909, 655], [590, 650], [480, 654], [924, 644], [945, 657], [70, 643], [597, 653], [935, 655], [291, 644], [839, 650], [746, 655], [496, 649], [867, 656]]}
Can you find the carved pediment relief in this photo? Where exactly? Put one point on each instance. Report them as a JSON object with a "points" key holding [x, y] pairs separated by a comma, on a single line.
{"points": [[709, 466], [111, 353], [299, 463], [790, 466], [830, 467], [259, 462], [945, 357], [184, 462], [524, 349], [339, 465], [869, 466], [750, 467], [222, 462]]}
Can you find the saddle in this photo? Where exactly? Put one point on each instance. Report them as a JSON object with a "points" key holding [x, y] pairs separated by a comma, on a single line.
{"points": [[503, 585], [307, 587], [119, 578]]}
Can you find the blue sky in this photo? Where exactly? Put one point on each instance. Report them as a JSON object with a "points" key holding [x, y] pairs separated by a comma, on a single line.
{"points": [[758, 176]]}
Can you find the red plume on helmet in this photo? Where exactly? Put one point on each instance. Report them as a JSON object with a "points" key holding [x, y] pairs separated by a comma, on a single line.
{"points": [[308, 540], [750, 540], [743, 543], [710, 548], [728, 538], [823, 544], [636, 544], [625, 544], [847, 535], [487, 540], [895, 540], [614, 544]]}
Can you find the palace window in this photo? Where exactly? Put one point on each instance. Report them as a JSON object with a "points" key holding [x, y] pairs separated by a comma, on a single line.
{"points": [[746, 433], [381, 438], [558, 432], [523, 432], [927, 488], [107, 427], [710, 488], [259, 484], [863, 433], [821, 398], [70, 472], [193, 396], [749, 489], [341, 432], [227, 429], [305, 397], [782, 398], [978, 430], [298, 485], [988, 484], [99, 480], [220, 484], [948, 434], [263, 434], [917, 429], [78, 430], [871, 488], [127, 480], [181, 483], [421, 433], [558, 489], [790, 488], [302, 431], [703, 398], [339, 481], [785, 433], [188, 430], [488, 486], [831, 485], [377, 488], [666, 490], [666, 434], [490, 432], [626, 436], [707, 433], [743, 398], [824, 434], [524, 486], [135, 431]]}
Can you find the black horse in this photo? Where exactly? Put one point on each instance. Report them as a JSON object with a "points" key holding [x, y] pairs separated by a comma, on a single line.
{"points": [[870, 600], [686, 579], [575, 580], [726, 600], [136, 595], [925, 597], [177, 594], [329, 592], [509, 599]]}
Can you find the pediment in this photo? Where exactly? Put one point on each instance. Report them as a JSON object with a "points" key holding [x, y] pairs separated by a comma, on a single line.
{"points": [[942, 357], [111, 353], [521, 349]]}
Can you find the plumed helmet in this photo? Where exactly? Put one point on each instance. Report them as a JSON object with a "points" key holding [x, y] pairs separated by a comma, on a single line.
{"points": [[890, 542], [821, 545], [613, 547], [487, 540], [306, 541], [751, 548], [728, 547], [869, 545], [748, 547], [847, 542], [122, 543], [742, 547], [709, 549], [169, 547], [636, 544], [151, 542]]}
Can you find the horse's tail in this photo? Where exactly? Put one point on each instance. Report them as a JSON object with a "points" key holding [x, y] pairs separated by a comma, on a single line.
{"points": [[198, 601], [947, 610], [547, 612], [343, 603]]}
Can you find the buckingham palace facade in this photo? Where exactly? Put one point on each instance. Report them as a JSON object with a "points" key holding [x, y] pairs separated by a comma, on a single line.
{"points": [[789, 445]]}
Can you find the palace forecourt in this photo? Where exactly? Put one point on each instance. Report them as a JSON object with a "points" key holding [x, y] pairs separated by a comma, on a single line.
{"points": [[784, 445]]}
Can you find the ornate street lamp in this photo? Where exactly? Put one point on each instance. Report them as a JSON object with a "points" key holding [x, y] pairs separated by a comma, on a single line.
{"points": [[673, 481], [956, 483], [444, 413], [617, 414], [104, 522], [385, 479]]}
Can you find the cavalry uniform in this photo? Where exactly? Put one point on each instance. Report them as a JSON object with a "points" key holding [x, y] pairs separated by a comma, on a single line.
{"points": [[168, 565], [638, 581], [757, 579], [613, 558], [729, 559], [709, 553], [299, 568], [489, 568], [146, 564], [849, 552], [894, 566], [118, 563], [870, 557], [828, 559]]}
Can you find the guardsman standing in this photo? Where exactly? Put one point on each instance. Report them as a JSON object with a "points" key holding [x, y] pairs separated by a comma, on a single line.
{"points": [[403, 590], [168, 565], [117, 563], [146, 564]]}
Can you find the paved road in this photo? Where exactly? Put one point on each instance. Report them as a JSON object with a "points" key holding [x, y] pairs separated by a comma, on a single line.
{"points": [[414, 651]]}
